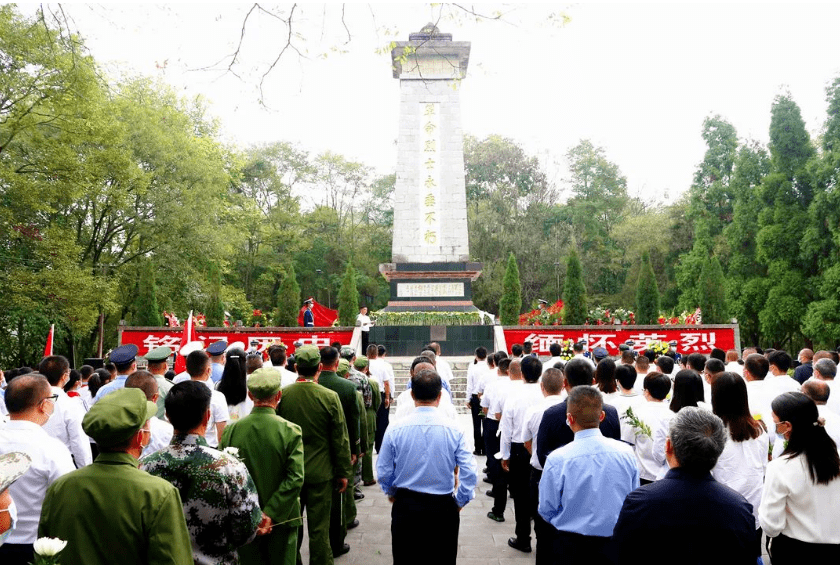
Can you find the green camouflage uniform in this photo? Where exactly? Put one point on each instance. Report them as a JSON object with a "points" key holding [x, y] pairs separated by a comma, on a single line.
{"points": [[220, 500]]}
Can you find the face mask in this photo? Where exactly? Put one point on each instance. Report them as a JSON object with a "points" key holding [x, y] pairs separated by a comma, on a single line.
{"points": [[13, 516]]}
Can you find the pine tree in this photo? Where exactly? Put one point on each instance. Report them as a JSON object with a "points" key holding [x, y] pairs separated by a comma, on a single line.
{"points": [[574, 292], [647, 293], [348, 298], [288, 300], [215, 309], [713, 293], [146, 311], [511, 302]]}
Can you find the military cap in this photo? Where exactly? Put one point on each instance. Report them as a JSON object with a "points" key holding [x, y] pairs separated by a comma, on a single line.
{"points": [[158, 354], [12, 466], [672, 343], [117, 416], [599, 352], [123, 354], [623, 347], [307, 356], [236, 345], [217, 348], [361, 362], [348, 352], [343, 367], [308, 301], [190, 347], [264, 382]]}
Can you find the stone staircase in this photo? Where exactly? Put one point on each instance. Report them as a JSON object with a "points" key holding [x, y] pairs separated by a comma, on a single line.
{"points": [[459, 365]]}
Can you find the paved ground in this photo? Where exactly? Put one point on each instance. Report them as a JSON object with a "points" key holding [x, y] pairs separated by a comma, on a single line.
{"points": [[481, 541]]}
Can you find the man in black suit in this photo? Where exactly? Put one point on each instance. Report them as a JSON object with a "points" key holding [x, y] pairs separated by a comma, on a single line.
{"points": [[554, 431], [688, 517]]}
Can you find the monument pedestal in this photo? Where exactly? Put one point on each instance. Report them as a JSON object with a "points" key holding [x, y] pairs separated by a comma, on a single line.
{"points": [[430, 287]]}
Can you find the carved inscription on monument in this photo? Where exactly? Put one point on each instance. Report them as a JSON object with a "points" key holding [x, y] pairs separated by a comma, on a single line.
{"points": [[430, 290], [429, 189]]}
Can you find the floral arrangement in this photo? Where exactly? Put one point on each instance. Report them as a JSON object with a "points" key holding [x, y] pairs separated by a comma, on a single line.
{"points": [[258, 319], [601, 316], [47, 550], [551, 315], [427, 318], [682, 319], [566, 349], [658, 348]]}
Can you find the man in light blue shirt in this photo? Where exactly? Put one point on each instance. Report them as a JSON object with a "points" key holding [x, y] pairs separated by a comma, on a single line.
{"points": [[584, 485], [417, 464], [124, 358]]}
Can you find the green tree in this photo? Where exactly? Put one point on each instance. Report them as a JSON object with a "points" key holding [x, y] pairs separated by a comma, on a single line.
{"points": [[348, 298], [713, 293], [146, 310], [215, 312], [288, 300], [510, 305], [647, 294], [574, 292]]}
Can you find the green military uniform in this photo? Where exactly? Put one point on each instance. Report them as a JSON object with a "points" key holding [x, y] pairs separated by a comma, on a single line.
{"points": [[370, 413], [272, 449], [157, 355], [143, 516], [343, 504], [326, 450]]}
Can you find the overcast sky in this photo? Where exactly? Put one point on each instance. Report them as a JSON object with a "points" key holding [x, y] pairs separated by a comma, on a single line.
{"points": [[636, 79]]}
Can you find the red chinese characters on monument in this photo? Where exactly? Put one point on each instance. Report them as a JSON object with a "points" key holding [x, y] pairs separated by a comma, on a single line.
{"points": [[697, 339], [146, 340]]}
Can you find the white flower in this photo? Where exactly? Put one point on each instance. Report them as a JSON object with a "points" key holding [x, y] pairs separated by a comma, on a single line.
{"points": [[47, 547], [232, 451]]}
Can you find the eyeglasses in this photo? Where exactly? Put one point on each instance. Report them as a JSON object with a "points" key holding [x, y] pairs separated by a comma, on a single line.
{"points": [[53, 397]]}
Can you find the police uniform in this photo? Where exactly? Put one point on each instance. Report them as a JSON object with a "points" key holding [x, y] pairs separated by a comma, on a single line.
{"points": [[272, 449], [144, 517], [342, 507], [157, 355], [120, 356], [215, 349], [326, 447]]}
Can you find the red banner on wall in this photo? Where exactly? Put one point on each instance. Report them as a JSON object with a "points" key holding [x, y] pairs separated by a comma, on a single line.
{"points": [[147, 339], [690, 339]]}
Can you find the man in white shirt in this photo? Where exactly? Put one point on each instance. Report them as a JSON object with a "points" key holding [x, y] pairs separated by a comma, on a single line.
{"points": [[759, 395], [382, 371], [161, 431], [30, 401], [555, 349], [441, 365], [475, 373], [732, 365], [642, 365], [551, 385], [490, 403], [713, 368], [578, 350], [819, 391], [85, 371], [65, 425], [778, 381], [826, 370], [198, 367], [405, 401], [363, 320], [515, 457], [651, 427], [625, 378], [277, 355]]}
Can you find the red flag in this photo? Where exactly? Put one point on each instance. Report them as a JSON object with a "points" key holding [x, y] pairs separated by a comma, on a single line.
{"points": [[321, 315], [48, 350], [187, 336]]}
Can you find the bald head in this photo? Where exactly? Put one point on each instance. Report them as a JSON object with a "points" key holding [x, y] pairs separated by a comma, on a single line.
{"points": [[816, 390], [515, 370], [422, 367]]}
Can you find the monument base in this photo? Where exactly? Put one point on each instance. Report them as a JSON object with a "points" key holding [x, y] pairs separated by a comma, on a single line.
{"points": [[430, 287]]}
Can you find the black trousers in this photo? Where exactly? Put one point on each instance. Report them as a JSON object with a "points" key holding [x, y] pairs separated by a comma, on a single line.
{"points": [[578, 549], [519, 478], [494, 467], [17, 553], [785, 550], [543, 531], [365, 341], [382, 416], [475, 410], [424, 528]]}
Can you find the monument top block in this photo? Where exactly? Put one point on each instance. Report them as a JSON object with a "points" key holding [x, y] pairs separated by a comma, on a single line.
{"points": [[430, 55]]}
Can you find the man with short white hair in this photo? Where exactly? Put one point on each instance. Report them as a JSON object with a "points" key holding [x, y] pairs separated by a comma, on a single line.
{"points": [[825, 370]]}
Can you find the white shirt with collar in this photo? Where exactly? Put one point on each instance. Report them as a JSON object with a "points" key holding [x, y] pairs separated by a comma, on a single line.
{"points": [[382, 371], [160, 436], [549, 364], [650, 451], [494, 389], [587, 359], [512, 425], [444, 369], [286, 376], [533, 419], [475, 373], [621, 403], [218, 413], [833, 397], [735, 367], [741, 467], [50, 460], [65, 425]]}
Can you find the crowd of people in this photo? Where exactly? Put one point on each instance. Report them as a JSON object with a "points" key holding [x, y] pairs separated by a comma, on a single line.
{"points": [[649, 457], [656, 457]]}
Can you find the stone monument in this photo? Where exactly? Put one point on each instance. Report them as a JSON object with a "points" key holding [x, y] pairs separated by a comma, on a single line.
{"points": [[430, 268]]}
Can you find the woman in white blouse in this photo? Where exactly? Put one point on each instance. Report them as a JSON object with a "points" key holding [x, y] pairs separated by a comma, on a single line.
{"points": [[743, 461], [605, 379], [801, 499], [233, 385]]}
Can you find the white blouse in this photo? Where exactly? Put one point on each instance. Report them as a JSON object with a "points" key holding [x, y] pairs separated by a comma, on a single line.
{"points": [[741, 467], [796, 507]]}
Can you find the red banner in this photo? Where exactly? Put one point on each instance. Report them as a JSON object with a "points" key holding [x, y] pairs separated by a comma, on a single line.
{"points": [[147, 339], [690, 339]]}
